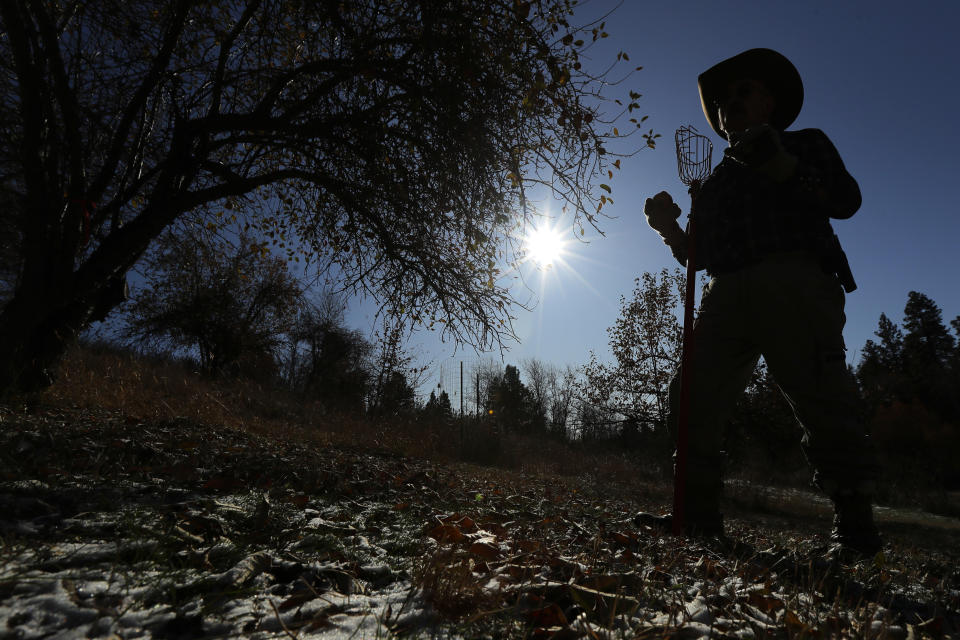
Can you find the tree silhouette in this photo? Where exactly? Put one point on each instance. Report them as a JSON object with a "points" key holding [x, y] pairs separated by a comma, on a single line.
{"points": [[395, 139], [927, 350], [437, 408], [763, 432], [881, 368], [910, 383], [396, 398], [232, 303], [645, 342], [510, 404], [332, 364]]}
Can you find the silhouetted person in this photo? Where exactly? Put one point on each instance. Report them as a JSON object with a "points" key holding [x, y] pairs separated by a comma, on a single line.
{"points": [[776, 289]]}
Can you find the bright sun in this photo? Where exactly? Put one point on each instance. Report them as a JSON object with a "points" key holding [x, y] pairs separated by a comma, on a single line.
{"points": [[544, 246]]}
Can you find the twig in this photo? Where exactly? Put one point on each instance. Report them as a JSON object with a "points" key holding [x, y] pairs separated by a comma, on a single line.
{"points": [[280, 620]]}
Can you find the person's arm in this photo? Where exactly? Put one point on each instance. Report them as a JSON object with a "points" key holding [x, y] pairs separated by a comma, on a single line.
{"points": [[808, 166], [821, 178], [676, 239]]}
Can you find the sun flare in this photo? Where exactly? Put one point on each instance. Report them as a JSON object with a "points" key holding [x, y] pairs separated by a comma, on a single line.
{"points": [[544, 246]]}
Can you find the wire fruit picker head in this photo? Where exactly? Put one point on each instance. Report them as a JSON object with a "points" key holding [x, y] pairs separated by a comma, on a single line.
{"points": [[694, 157]]}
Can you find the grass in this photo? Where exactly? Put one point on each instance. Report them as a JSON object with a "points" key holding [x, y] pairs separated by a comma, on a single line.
{"points": [[152, 389], [537, 543]]}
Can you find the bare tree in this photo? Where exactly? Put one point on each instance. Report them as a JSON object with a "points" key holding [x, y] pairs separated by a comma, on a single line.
{"points": [[482, 378], [538, 375], [563, 387], [397, 140], [317, 313], [333, 363], [393, 365]]}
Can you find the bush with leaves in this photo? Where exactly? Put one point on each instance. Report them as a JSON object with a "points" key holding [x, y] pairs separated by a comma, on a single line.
{"points": [[395, 140], [228, 302], [329, 363], [645, 342]]}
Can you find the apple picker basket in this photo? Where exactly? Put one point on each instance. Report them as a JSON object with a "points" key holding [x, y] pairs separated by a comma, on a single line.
{"points": [[694, 159]]}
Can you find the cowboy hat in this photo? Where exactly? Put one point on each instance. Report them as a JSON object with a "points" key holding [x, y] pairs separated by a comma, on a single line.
{"points": [[767, 66]]}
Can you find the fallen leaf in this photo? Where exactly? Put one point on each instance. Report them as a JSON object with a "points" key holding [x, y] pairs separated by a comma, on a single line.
{"points": [[300, 500], [485, 550], [446, 533], [548, 616], [767, 604]]}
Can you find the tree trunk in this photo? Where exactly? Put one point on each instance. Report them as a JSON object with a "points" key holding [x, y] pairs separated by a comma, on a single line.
{"points": [[38, 325]]}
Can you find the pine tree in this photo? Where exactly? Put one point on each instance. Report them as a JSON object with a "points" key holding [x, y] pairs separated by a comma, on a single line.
{"points": [[881, 369], [438, 407], [510, 402], [927, 350]]}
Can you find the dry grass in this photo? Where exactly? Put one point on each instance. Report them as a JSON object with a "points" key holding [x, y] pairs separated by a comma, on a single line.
{"points": [[154, 389], [150, 388]]}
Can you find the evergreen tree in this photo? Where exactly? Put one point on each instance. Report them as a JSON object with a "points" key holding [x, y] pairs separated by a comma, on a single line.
{"points": [[881, 369], [510, 402], [927, 351], [763, 431], [438, 407], [396, 397]]}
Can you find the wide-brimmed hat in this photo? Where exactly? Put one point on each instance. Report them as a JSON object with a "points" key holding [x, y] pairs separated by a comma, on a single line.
{"points": [[776, 73]]}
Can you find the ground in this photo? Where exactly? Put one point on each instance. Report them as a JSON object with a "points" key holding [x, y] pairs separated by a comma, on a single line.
{"points": [[113, 526]]}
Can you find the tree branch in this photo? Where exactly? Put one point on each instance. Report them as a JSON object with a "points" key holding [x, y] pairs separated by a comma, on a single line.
{"points": [[74, 147], [225, 53], [160, 62], [31, 111]]}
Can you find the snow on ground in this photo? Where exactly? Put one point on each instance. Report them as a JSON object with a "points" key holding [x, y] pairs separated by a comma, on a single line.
{"points": [[114, 528], [134, 588]]}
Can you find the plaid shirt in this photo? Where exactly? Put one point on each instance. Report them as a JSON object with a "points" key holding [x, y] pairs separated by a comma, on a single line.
{"points": [[742, 215]]}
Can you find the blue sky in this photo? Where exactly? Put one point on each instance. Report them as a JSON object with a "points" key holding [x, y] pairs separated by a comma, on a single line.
{"points": [[880, 79]]}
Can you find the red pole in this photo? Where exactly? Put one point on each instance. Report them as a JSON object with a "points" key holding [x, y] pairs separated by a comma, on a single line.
{"points": [[686, 368]]}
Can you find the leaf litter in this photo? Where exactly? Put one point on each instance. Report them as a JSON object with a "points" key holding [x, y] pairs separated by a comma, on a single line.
{"points": [[112, 526]]}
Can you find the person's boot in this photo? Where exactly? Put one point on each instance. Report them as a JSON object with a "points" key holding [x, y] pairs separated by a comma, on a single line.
{"points": [[696, 527], [854, 532], [701, 514], [702, 517]]}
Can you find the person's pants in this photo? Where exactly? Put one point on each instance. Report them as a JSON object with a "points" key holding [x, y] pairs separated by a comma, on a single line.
{"points": [[790, 311]]}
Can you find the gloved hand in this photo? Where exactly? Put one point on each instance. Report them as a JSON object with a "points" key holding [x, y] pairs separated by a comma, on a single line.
{"points": [[662, 213], [760, 149]]}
